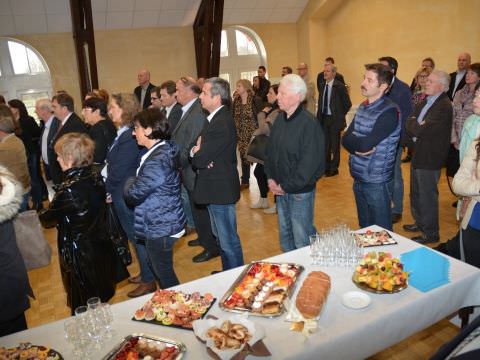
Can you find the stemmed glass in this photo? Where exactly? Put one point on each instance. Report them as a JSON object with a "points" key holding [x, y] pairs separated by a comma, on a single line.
{"points": [[78, 336], [106, 318]]}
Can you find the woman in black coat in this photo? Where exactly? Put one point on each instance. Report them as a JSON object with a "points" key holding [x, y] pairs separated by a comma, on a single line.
{"points": [[88, 263], [13, 274]]}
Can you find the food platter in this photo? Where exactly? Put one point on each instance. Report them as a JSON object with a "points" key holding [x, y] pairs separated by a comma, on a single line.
{"points": [[262, 288], [29, 351], [380, 273], [174, 308], [374, 238], [138, 346]]}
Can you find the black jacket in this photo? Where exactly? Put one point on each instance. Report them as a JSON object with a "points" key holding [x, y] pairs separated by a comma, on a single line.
{"points": [[219, 184], [295, 156], [13, 274], [339, 103], [102, 133], [88, 263], [461, 84], [30, 134], [147, 100], [433, 137]]}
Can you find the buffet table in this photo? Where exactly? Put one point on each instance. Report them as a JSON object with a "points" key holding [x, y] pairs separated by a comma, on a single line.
{"points": [[344, 333]]}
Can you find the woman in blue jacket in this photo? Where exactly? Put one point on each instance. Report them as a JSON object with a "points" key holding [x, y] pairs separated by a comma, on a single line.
{"points": [[155, 193]]}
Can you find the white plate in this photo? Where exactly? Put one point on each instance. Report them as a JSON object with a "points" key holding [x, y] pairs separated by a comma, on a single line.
{"points": [[356, 300]]}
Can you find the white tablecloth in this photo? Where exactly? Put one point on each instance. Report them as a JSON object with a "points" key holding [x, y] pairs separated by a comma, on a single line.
{"points": [[344, 334]]}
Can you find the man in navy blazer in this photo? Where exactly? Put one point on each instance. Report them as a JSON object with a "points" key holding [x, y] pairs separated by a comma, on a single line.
{"points": [[215, 160], [43, 108], [144, 88], [62, 107], [399, 92], [457, 78]]}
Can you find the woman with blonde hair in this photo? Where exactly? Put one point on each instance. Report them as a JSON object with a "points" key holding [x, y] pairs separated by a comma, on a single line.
{"points": [[88, 263], [420, 83], [245, 108]]}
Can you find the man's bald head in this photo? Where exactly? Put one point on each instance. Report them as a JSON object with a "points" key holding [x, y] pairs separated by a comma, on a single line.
{"points": [[464, 60], [143, 77]]}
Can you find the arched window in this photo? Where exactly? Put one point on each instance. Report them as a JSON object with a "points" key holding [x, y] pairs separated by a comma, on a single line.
{"points": [[24, 74], [241, 53]]}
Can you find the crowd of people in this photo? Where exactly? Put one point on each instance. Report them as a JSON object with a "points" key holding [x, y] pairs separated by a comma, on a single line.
{"points": [[165, 158]]}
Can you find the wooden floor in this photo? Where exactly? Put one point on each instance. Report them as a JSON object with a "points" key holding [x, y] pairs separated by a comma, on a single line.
{"points": [[258, 232]]}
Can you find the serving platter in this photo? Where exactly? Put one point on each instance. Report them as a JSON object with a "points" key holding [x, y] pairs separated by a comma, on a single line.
{"points": [[29, 351], [138, 346], [374, 238], [262, 288], [174, 308]]}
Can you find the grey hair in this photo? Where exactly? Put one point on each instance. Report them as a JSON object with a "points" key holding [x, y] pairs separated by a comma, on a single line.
{"points": [[44, 104], [443, 78], [334, 68], [220, 87], [296, 84], [7, 125]]}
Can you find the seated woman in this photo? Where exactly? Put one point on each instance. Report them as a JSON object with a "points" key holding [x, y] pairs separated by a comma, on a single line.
{"points": [[155, 194], [88, 263], [13, 274], [466, 183]]}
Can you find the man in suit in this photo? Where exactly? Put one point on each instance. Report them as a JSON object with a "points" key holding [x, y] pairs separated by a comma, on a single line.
{"points": [[168, 99], [186, 132], [215, 159], [144, 88], [62, 107], [264, 83], [43, 108], [321, 77], [430, 126], [333, 105], [457, 78], [400, 94], [294, 161]]}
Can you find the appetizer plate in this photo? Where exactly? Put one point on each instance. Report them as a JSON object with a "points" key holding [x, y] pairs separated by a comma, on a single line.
{"points": [[262, 288], [356, 300], [374, 238], [29, 351], [174, 308], [138, 346]]}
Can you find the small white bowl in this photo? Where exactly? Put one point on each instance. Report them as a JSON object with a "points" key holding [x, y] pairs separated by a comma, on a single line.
{"points": [[356, 300]]}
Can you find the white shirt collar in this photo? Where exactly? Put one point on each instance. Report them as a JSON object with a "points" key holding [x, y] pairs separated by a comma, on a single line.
{"points": [[66, 118], [147, 154], [212, 114], [188, 106]]}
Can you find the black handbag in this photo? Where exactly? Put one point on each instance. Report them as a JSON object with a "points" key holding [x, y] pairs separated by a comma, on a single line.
{"points": [[117, 235], [257, 149]]}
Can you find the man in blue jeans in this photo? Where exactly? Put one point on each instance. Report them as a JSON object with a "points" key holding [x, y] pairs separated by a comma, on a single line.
{"points": [[372, 139], [214, 159], [295, 160]]}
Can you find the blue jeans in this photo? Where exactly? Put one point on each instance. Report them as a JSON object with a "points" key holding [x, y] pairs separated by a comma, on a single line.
{"points": [[125, 215], [24, 204], [186, 208], [374, 203], [160, 259], [397, 199], [295, 219], [224, 227]]}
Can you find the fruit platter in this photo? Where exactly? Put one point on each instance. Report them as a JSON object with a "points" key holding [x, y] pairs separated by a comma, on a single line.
{"points": [[380, 273], [146, 347], [29, 351], [174, 308], [374, 238], [261, 289]]}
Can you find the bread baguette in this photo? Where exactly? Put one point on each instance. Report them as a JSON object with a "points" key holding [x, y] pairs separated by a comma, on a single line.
{"points": [[313, 294]]}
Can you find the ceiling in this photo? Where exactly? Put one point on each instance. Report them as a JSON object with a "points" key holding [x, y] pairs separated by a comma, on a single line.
{"points": [[52, 16]]}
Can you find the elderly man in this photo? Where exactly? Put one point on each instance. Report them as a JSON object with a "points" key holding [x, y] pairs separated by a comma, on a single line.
{"points": [[185, 133], [309, 102], [144, 88], [215, 159], [43, 108], [430, 126], [294, 162], [333, 105], [457, 78], [372, 139]]}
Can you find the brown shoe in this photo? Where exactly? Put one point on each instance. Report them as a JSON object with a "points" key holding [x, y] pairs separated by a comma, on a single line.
{"points": [[244, 186], [142, 289], [189, 230], [135, 279]]}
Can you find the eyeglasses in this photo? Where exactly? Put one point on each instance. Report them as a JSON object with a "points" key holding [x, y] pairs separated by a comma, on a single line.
{"points": [[155, 98], [87, 109]]}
